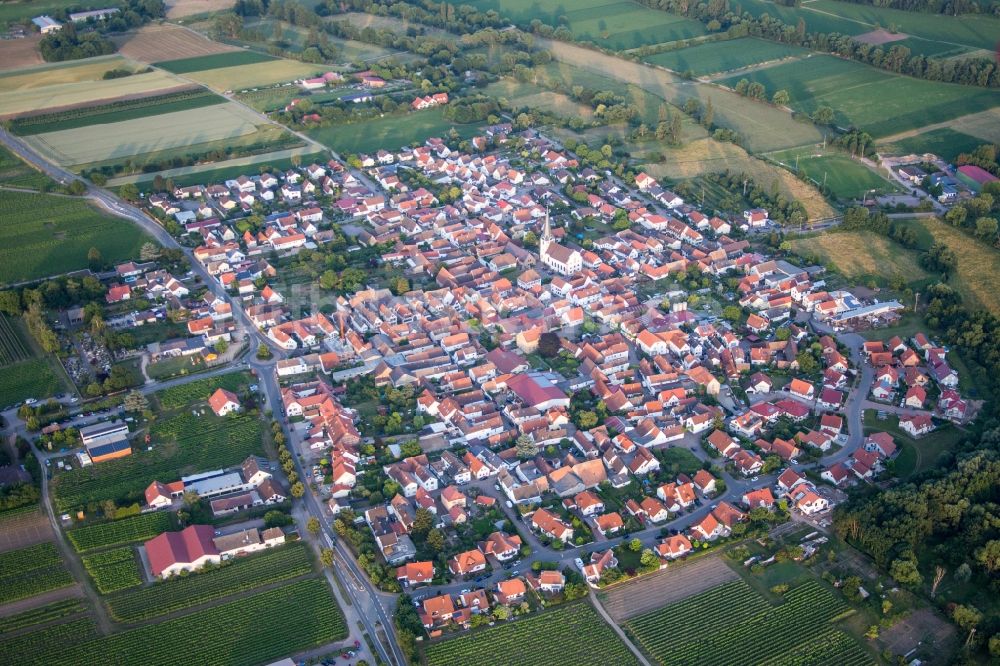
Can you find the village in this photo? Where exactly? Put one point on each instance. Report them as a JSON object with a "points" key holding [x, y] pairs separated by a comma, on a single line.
{"points": [[571, 367]]}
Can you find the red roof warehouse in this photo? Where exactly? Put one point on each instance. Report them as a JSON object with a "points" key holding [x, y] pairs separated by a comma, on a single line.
{"points": [[188, 549]]}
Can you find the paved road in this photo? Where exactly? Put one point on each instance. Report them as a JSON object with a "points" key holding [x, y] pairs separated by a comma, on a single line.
{"points": [[371, 607]]}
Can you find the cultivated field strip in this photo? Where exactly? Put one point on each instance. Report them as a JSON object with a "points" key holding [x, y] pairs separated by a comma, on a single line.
{"points": [[139, 136], [716, 627], [120, 532], [251, 630], [12, 348], [569, 635], [153, 43], [15, 649], [33, 98], [47, 613], [114, 570], [673, 584], [241, 575], [30, 571]]}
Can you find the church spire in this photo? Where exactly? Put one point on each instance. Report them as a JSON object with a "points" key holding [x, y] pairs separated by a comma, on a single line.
{"points": [[547, 228]]}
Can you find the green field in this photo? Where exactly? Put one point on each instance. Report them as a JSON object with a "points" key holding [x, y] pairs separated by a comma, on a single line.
{"points": [[747, 630], [116, 112], [182, 444], [15, 173], [236, 576], [33, 246], [876, 101], [30, 571], [48, 639], [713, 57], [611, 25], [214, 61], [572, 635], [25, 372], [847, 179], [198, 392], [47, 613], [529, 95], [253, 629], [390, 132], [119, 532], [114, 570], [932, 34], [945, 143]]}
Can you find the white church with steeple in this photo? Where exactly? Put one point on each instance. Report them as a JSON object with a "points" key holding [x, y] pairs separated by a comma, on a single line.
{"points": [[556, 257]]}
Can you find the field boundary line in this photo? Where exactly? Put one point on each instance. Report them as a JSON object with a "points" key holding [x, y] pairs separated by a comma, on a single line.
{"points": [[595, 602]]}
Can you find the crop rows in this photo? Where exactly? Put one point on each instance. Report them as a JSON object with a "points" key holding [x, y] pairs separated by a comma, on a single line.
{"points": [[120, 532], [27, 379], [199, 444], [726, 633], [53, 611], [250, 630], [58, 636], [241, 575], [199, 391], [12, 348], [830, 647], [572, 634], [30, 571], [725, 604], [114, 570]]}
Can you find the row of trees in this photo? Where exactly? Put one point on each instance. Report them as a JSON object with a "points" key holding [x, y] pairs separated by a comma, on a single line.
{"points": [[949, 7]]}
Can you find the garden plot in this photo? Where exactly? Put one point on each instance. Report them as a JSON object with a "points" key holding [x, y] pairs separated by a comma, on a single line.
{"points": [[675, 583], [146, 135]]}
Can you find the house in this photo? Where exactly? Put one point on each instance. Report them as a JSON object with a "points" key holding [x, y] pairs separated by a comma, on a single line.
{"points": [[437, 611], [917, 425], [881, 444], [704, 481], [119, 293], [609, 523], [551, 526], [160, 495], [588, 504], [708, 529], [802, 389], [468, 562], [412, 574], [599, 561], [915, 397], [224, 402], [673, 547], [755, 217], [805, 499], [511, 591], [547, 581], [761, 497], [502, 546]]}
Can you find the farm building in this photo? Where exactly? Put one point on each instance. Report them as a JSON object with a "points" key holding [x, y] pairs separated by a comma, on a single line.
{"points": [[975, 177], [106, 441], [46, 24]]}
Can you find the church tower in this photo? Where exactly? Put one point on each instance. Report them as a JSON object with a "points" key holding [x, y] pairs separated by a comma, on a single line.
{"points": [[546, 239]]}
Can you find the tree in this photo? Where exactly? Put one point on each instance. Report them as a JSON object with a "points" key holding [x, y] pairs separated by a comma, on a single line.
{"points": [[326, 557], [423, 521], [905, 572], [129, 192], [732, 313], [989, 556], [298, 490], [939, 572], [136, 402], [525, 447], [807, 362], [190, 498], [986, 229], [586, 420], [501, 613], [781, 98], [649, 559], [313, 525], [635, 545], [10, 303], [967, 617], [94, 259], [263, 352], [435, 540], [708, 115], [149, 251], [277, 518], [548, 344], [823, 116]]}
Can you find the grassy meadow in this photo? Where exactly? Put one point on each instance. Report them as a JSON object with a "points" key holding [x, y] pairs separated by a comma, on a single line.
{"points": [[715, 57], [390, 132]]}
